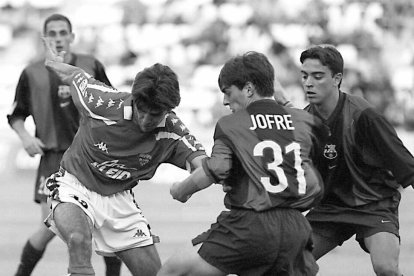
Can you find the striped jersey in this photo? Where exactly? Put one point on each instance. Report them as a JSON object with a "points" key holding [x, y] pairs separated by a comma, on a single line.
{"points": [[110, 153], [363, 160], [40, 93], [264, 153]]}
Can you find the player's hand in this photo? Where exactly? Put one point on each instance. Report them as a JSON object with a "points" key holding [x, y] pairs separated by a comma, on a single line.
{"points": [[279, 93], [33, 145], [51, 55], [175, 193]]}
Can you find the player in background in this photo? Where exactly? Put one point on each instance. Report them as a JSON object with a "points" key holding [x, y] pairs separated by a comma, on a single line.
{"points": [[122, 139], [41, 94], [364, 166], [263, 151]]}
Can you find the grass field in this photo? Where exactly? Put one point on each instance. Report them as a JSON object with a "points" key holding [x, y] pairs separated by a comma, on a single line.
{"points": [[174, 222]]}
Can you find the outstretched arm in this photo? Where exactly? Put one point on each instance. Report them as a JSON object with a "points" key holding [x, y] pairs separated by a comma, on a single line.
{"points": [[54, 61], [197, 181]]}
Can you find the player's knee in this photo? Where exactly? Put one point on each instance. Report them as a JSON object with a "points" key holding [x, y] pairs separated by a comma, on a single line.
{"points": [[79, 241], [172, 268], [382, 269], [166, 270]]}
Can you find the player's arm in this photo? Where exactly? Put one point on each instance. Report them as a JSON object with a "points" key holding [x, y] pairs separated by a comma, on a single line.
{"points": [[54, 61], [387, 146], [31, 144], [20, 111], [197, 181], [211, 170]]}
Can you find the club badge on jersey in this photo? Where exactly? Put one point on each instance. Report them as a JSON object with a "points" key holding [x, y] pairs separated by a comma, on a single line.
{"points": [[330, 151], [64, 95]]}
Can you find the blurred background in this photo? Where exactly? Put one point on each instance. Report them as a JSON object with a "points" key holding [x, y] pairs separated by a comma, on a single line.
{"points": [[195, 38]]}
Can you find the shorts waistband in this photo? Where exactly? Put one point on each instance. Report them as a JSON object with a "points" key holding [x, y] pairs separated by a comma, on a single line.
{"points": [[65, 173]]}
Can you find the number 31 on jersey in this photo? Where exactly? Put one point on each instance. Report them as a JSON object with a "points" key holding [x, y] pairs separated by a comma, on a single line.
{"points": [[275, 166]]}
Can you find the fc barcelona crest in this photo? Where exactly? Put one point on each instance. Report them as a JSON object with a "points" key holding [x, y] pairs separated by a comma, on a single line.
{"points": [[330, 151]]}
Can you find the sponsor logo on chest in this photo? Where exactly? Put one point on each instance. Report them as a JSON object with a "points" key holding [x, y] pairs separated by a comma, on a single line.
{"points": [[113, 169], [144, 159]]}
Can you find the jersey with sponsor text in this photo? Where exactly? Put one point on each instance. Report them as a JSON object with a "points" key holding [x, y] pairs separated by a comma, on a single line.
{"points": [[264, 153], [110, 153]]}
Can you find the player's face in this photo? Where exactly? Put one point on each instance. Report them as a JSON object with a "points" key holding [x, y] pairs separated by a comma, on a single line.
{"points": [[58, 31], [318, 82], [234, 98], [148, 119]]}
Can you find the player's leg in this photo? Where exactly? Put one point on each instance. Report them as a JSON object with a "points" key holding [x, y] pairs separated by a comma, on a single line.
{"points": [[36, 244], [143, 261], [328, 235], [384, 248], [295, 249], [188, 262], [43, 235], [113, 266], [322, 245], [75, 227]]}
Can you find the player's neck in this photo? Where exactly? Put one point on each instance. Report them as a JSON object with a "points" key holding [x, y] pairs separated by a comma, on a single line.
{"points": [[327, 107], [68, 57]]}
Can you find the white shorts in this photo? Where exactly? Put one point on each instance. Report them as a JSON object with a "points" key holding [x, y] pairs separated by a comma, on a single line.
{"points": [[118, 222]]}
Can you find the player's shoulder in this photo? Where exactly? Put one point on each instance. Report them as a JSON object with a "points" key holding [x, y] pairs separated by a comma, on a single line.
{"points": [[174, 124], [301, 114], [36, 64], [87, 62], [356, 101], [357, 108], [84, 57], [233, 118]]}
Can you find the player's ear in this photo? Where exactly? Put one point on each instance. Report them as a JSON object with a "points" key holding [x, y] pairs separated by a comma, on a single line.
{"points": [[249, 88], [338, 79], [72, 37]]}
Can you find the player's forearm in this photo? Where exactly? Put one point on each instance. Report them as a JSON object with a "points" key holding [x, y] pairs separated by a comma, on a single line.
{"points": [[197, 181], [64, 70], [19, 127]]}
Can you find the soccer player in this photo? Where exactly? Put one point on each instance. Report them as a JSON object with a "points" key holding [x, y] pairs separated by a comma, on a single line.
{"points": [[364, 164], [123, 137], [263, 152], [41, 94]]}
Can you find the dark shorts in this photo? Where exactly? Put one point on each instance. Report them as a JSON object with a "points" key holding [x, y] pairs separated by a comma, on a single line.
{"points": [[245, 242], [339, 224], [49, 163]]}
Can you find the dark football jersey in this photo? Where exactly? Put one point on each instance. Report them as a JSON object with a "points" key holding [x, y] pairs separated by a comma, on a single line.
{"points": [[41, 93], [110, 153], [264, 153], [363, 160]]}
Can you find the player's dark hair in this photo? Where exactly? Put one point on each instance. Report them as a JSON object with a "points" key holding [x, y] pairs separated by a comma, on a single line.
{"points": [[251, 67], [156, 88], [57, 17], [328, 55]]}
